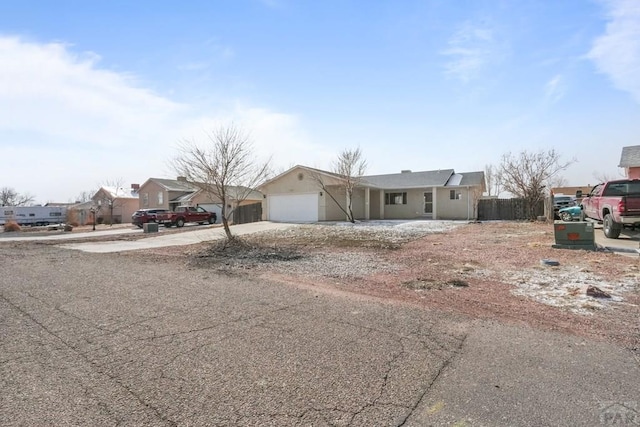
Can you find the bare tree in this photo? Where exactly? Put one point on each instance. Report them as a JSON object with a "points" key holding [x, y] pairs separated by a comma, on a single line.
{"points": [[527, 175], [348, 169], [224, 169], [10, 197], [493, 178], [85, 196]]}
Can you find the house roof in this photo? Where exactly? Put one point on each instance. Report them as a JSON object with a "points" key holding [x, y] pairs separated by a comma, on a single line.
{"points": [[437, 178], [472, 179], [233, 192], [120, 192], [307, 168], [172, 184], [630, 156]]}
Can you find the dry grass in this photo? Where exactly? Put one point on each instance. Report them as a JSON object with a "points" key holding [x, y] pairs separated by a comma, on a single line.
{"points": [[10, 226]]}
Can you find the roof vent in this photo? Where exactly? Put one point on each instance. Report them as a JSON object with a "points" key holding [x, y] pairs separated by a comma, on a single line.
{"points": [[405, 171]]}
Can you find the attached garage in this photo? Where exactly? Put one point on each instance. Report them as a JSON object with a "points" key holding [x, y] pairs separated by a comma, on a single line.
{"points": [[293, 207]]}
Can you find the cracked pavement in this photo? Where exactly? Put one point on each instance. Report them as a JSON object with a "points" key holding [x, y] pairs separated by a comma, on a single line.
{"points": [[114, 339]]}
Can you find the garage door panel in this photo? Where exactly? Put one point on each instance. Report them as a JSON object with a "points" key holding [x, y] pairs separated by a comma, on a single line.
{"points": [[293, 207]]}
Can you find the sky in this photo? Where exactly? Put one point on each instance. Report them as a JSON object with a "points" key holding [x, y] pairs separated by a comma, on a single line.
{"points": [[97, 92]]}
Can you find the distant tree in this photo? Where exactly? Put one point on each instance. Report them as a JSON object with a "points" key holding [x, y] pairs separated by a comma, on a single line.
{"points": [[604, 177], [10, 197], [528, 174], [349, 167], [493, 180], [225, 168], [85, 196]]}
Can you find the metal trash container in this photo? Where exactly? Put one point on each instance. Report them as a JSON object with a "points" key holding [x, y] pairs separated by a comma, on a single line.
{"points": [[150, 227], [574, 235]]}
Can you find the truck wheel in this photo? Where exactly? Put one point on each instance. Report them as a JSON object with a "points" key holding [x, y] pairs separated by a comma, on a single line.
{"points": [[180, 222], [611, 228], [566, 216]]}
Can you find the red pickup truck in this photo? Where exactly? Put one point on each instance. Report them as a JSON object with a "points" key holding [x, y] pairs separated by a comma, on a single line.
{"points": [[184, 214], [616, 204]]}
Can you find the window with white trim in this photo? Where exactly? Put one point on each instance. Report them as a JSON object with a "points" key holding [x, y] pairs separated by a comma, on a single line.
{"points": [[455, 195]]}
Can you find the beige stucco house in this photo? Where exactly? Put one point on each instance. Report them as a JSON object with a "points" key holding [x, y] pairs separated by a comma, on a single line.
{"points": [[296, 195], [115, 205]]}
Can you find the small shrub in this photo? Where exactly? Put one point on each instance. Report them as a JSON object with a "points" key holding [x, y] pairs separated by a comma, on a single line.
{"points": [[11, 226], [72, 217]]}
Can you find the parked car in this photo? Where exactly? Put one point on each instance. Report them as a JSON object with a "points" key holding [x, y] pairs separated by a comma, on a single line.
{"points": [[184, 214], [561, 201], [143, 216], [571, 213]]}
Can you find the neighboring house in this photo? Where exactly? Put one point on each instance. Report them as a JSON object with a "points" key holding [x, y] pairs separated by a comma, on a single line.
{"points": [[115, 205], [82, 213], [442, 194], [163, 193], [171, 193], [630, 161]]}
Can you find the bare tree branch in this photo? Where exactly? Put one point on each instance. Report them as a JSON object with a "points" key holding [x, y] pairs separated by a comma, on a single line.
{"points": [[10, 197], [528, 174], [349, 167], [225, 168]]}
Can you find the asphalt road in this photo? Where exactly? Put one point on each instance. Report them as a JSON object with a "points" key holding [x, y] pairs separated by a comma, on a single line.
{"points": [[124, 339]]}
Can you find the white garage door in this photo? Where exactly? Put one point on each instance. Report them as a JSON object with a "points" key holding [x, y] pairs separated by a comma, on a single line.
{"points": [[293, 207]]}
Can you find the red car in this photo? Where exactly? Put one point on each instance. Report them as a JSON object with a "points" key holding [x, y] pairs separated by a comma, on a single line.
{"points": [[142, 216]]}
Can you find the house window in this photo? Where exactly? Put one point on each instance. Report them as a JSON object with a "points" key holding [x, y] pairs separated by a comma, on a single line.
{"points": [[455, 195], [395, 198], [145, 200], [160, 198]]}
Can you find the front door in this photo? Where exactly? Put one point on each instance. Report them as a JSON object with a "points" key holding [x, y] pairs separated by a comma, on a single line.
{"points": [[428, 203]]}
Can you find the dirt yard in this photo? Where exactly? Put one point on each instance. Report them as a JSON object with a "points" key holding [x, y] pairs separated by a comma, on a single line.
{"points": [[484, 270]]}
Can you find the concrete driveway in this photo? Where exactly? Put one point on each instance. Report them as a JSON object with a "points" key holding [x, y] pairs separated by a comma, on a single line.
{"points": [[628, 242]]}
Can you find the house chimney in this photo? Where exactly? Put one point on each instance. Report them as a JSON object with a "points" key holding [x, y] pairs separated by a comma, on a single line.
{"points": [[182, 178], [135, 187], [405, 171]]}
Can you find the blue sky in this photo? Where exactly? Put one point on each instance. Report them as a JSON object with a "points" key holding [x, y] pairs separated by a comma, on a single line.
{"points": [[98, 91]]}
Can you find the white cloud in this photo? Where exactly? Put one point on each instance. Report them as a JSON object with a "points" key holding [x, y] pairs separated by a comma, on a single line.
{"points": [[555, 89], [66, 124], [470, 49], [617, 52]]}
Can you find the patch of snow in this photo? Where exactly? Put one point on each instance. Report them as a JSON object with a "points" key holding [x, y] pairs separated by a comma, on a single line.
{"points": [[566, 287]]}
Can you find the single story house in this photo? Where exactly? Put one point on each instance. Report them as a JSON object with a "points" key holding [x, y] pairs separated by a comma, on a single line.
{"points": [[170, 193], [297, 195], [630, 161], [115, 205]]}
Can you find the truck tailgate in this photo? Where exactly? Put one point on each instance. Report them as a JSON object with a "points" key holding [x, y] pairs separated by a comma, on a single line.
{"points": [[632, 205]]}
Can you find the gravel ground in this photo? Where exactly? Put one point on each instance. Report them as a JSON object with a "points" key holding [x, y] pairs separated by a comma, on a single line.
{"points": [[488, 270]]}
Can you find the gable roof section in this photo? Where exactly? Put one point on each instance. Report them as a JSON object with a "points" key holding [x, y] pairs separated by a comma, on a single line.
{"points": [[630, 157], [172, 184], [307, 168], [120, 192], [438, 178], [472, 179]]}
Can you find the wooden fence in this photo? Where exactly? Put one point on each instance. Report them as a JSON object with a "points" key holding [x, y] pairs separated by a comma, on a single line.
{"points": [[508, 209], [247, 213]]}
